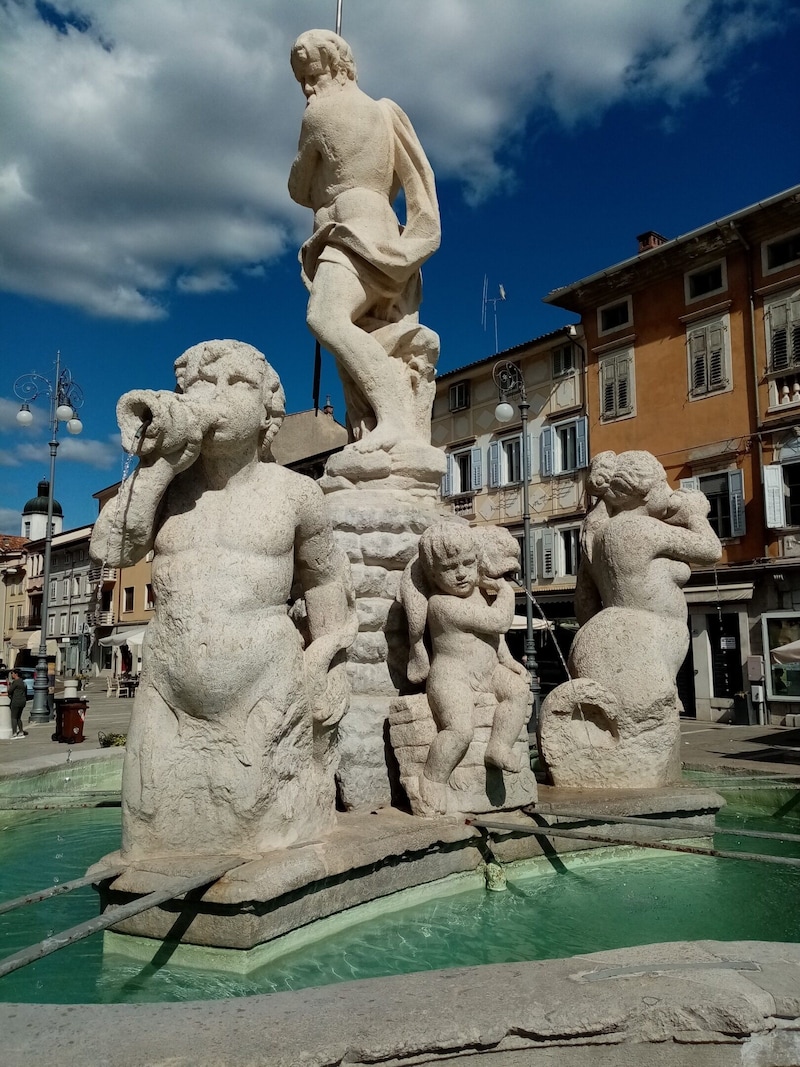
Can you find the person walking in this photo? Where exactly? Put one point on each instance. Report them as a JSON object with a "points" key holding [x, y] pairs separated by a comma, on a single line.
{"points": [[18, 697]]}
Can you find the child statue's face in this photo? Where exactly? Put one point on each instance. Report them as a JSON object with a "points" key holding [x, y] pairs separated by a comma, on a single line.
{"points": [[458, 575]]}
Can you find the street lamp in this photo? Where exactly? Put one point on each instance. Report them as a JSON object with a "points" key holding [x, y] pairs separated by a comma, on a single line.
{"points": [[65, 396], [510, 383]]}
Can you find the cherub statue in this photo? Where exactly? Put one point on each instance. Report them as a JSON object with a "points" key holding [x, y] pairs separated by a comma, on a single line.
{"points": [[616, 722], [232, 745], [455, 588]]}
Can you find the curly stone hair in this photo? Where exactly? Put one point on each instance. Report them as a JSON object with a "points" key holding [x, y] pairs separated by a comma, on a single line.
{"points": [[332, 49], [188, 365]]}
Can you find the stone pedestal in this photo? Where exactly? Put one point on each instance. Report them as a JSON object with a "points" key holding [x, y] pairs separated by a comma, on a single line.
{"points": [[379, 505], [473, 786]]}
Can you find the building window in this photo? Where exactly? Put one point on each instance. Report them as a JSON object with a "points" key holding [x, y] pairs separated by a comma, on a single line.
{"points": [[73, 622], [464, 472], [725, 492], [781, 636], [781, 481], [563, 360], [62, 623], [505, 461], [557, 551], [76, 585], [782, 326], [27, 529], [707, 353], [616, 385], [459, 396], [51, 625], [65, 589], [563, 447], [705, 281], [128, 598], [782, 253], [53, 589], [149, 599], [615, 316]]}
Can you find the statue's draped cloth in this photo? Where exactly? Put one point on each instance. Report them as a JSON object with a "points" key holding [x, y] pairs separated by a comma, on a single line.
{"points": [[387, 258]]}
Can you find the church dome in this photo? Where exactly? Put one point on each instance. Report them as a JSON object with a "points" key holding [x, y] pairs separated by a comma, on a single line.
{"points": [[37, 505]]}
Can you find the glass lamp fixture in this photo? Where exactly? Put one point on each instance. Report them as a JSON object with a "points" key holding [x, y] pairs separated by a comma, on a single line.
{"points": [[74, 425], [24, 416], [64, 413], [504, 412]]}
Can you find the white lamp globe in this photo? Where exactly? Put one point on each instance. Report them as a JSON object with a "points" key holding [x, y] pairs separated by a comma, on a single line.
{"points": [[24, 416], [64, 412], [504, 412], [74, 425]]}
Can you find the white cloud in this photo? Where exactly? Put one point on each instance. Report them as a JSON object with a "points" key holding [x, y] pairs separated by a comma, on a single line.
{"points": [[99, 454], [9, 521], [146, 144]]}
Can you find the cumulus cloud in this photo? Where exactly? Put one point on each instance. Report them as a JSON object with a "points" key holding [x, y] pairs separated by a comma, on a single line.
{"points": [[99, 454], [146, 143]]}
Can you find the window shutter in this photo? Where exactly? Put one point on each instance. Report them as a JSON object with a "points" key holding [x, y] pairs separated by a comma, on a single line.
{"points": [[532, 555], [698, 353], [690, 484], [716, 362], [548, 554], [494, 464], [736, 498], [581, 443], [623, 371], [529, 458], [546, 452], [607, 391], [794, 310], [476, 472], [447, 478], [778, 327], [774, 496]]}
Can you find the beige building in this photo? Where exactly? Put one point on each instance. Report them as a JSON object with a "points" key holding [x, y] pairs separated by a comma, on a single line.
{"points": [[13, 599], [484, 478]]}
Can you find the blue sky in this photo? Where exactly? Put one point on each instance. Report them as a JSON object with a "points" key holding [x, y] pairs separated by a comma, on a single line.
{"points": [[143, 203]]}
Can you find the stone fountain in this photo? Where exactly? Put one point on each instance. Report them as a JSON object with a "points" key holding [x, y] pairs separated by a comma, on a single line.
{"points": [[342, 645]]}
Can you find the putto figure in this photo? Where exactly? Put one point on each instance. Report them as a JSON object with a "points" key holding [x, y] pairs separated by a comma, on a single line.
{"points": [[477, 694], [360, 266], [616, 723], [232, 742]]}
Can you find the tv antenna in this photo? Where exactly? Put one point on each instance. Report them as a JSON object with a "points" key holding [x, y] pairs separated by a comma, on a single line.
{"points": [[493, 300]]}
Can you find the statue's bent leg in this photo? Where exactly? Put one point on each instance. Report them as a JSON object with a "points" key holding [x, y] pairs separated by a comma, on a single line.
{"points": [[452, 706], [511, 690], [338, 298]]}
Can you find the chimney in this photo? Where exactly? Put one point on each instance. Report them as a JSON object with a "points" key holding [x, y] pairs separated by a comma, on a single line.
{"points": [[649, 240]]}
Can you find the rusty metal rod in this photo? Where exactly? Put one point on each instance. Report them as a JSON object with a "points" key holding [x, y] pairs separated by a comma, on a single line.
{"points": [[633, 820], [581, 835], [61, 887], [175, 888]]}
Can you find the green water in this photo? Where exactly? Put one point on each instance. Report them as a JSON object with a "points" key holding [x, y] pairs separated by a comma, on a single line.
{"points": [[582, 906]]}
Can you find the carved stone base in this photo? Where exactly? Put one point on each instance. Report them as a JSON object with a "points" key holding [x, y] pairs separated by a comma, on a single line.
{"points": [[379, 531], [474, 786], [412, 470], [589, 740]]}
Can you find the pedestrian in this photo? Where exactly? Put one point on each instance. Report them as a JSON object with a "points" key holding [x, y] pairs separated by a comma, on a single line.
{"points": [[18, 696]]}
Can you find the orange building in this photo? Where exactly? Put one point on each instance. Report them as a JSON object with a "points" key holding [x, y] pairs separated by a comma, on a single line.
{"points": [[693, 353]]}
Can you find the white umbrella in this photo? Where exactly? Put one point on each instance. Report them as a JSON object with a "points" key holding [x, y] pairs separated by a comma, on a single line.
{"points": [[786, 653]]}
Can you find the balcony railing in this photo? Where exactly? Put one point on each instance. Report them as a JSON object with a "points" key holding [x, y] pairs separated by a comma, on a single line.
{"points": [[29, 622], [464, 505], [102, 575], [101, 618]]}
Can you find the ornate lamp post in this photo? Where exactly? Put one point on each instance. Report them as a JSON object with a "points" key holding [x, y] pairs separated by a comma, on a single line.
{"points": [[64, 396], [510, 383]]}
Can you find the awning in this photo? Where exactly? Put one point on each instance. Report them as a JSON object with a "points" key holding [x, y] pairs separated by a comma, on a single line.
{"points": [[521, 623], [786, 653], [32, 644], [132, 636], [722, 594]]}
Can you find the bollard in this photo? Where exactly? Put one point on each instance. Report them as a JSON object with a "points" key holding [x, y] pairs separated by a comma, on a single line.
{"points": [[5, 717]]}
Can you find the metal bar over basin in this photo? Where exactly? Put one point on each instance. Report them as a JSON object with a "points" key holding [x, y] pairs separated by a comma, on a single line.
{"points": [[582, 835], [175, 888]]}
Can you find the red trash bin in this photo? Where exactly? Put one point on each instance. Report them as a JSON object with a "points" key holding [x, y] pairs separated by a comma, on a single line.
{"points": [[70, 717]]}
